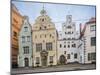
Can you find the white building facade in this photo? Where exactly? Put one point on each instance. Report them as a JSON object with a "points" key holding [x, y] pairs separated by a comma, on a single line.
{"points": [[25, 45], [67, 44], [90, 41]]}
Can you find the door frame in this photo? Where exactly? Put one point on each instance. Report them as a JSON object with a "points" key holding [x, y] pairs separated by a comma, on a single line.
{"points": [[26, 62]]}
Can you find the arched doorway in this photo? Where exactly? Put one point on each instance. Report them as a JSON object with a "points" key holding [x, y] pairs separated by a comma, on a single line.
{"points": [[62, 59], [26, 62]]}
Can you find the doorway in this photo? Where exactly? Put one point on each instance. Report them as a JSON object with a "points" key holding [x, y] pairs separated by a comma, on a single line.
{"points": [[26, 61], [44, 60]]}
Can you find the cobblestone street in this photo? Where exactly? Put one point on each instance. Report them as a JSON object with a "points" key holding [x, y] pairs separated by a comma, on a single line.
{"points": [[69, 67]]}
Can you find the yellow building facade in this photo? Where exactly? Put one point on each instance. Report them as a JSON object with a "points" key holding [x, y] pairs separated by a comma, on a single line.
{"points": [[44, 41]]}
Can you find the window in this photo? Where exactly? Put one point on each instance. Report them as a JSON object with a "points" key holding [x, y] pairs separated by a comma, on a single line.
{"points": [[37, 60], [75, 55], [64, 46], [25, 29], [23, 39], [60, 45], [51, 59], [49, 46], [68, 56], [39, 47], [14, 34], [93, 56], [50, 35], [73, 45], [92, 27], [69, 27], [26, 49], [68, 46], [69, 32], [89, 56], [64, 52], [93, 41], [28, 38]]}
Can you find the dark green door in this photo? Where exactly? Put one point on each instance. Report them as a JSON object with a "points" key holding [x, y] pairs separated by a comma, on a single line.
{"points": [[26, 62]]}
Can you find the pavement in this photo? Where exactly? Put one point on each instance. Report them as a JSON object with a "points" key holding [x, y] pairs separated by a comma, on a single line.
{"points": [[68, 67]]}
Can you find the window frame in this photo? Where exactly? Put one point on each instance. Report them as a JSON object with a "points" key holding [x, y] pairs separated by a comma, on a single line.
{"points": [[93, 41], [68, 56], [49, 46], [75, 56], [38, 47], [26, 49], [92, 27], [25, 29]]}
